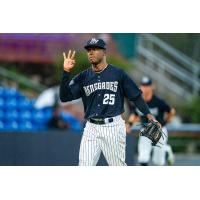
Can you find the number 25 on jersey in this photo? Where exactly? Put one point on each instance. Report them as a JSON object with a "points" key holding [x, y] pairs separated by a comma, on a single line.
{"points": [[109, 99]]}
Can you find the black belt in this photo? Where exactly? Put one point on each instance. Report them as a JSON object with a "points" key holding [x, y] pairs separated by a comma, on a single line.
{"points": [[100, 120]]}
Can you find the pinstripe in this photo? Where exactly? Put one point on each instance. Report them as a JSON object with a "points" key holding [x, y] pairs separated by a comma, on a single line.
{"points": [[96, 142], [108, 152], [114, 158], [124, 143], [112, 143], [106, 143], [102, 141], [117, 145], [89, 152], [95, 149], [108, 138], [96, 157], [123, 146], [101, 137], [121, 141], [88, 148], [107, 148]]}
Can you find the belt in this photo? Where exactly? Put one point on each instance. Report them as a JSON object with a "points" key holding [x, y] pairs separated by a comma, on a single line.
{"points": [[100, 120]]}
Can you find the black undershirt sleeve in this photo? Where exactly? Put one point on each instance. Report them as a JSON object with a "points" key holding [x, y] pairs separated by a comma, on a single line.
{"points": [[70, 89], [132, 108], [141, 105], [65, 89]]}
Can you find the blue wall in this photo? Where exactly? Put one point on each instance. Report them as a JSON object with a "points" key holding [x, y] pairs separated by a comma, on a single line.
{"points": [[48, 148]]}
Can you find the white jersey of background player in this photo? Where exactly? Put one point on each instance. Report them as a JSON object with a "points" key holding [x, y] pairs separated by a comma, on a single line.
{"points": [[163, 113]]}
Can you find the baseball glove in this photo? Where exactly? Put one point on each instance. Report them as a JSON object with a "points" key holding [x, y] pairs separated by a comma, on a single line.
{"points": [[152, 131]]}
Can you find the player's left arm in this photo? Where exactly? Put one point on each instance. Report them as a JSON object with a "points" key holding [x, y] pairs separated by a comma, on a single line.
{"points": [[133, 93], [143, 108]]}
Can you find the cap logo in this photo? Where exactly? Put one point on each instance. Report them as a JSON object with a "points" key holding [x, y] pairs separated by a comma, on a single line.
{"points": [[93, 41], [145, 79]]}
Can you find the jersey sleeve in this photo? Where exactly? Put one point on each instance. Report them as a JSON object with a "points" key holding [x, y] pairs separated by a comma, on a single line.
{"points": [[70, 90], [130, 89]]}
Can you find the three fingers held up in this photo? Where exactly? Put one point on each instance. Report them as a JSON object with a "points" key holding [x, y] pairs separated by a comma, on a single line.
{"points": [[69, 61], [71, 55]]}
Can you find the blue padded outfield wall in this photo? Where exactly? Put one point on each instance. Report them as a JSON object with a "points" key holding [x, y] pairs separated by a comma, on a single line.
{"points": [[26, 140], [52, 148]]}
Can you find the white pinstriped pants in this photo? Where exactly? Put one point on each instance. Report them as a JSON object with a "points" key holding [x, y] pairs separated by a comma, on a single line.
{"points": [[109, 138]]}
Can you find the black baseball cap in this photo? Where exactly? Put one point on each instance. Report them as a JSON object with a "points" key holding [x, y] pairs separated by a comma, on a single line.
{"points": [[95, 43], [146, 81]]}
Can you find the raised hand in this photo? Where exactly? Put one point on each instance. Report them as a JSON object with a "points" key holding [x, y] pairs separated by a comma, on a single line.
{"points": [[69, 61]]}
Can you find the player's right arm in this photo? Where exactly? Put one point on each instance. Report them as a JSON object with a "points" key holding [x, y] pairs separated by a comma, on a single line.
{"points": [[69, 90], [169, 115], [169, 112]]}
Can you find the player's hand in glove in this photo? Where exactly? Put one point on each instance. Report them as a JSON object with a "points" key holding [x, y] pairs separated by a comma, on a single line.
{"points": [[150, 117], [152, 130], [69, 61]]}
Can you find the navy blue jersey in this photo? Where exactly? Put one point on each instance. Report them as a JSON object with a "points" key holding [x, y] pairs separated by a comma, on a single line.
{"points": [[157, 107], [102, 93]]}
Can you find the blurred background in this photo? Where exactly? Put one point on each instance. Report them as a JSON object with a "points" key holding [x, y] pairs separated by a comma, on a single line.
{"points": [[37, 129]]}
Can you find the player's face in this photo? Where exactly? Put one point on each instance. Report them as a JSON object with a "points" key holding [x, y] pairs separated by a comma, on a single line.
{"points": [[95, 55], [146, 89]]}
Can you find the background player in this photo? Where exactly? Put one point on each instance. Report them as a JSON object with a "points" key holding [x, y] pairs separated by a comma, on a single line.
{"points": [[163, 113], [102, 88]]}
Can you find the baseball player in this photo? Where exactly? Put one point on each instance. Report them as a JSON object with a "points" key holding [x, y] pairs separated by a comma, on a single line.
{"points": [[163, 113], [102, 88]]}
